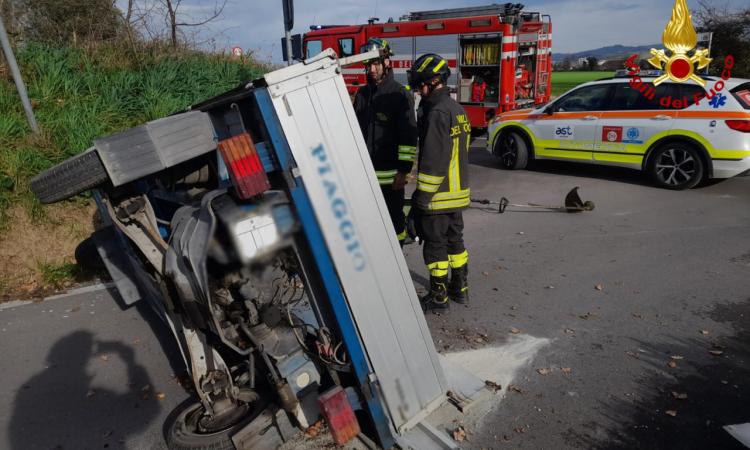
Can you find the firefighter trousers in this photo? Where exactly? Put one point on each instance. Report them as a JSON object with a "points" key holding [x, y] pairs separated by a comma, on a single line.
{"points": [[443, 242], [394, 200]]}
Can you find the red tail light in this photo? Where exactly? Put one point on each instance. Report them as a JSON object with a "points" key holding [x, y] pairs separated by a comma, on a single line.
{"points": [[244, 166], [339, 414], [739, 125]]}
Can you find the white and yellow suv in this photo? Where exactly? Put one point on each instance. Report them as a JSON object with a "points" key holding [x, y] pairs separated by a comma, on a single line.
{"points": [[613, 123]]}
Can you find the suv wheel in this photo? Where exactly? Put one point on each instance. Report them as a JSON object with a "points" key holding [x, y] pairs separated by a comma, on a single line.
{"points": [[676, 166], [512, 150]]}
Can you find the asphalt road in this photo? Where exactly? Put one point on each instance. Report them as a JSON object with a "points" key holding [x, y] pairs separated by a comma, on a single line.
{"points": [[648, 278]]}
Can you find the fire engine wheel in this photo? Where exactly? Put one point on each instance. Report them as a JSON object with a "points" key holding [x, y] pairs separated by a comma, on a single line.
{"points": [[192, 430], [512, 150], [676, 166]]}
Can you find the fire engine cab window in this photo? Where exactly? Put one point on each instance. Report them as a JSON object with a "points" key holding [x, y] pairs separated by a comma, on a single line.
{"points": [[346, 47], [313, 48], [591, 98]]}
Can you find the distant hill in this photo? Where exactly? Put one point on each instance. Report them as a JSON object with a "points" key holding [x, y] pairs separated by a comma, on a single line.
{"points": [[610, 52]]}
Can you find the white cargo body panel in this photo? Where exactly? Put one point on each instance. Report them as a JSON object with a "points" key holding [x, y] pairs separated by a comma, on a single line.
{"points": [[318, 120]]}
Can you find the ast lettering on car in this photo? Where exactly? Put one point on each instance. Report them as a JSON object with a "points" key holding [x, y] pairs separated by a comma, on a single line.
{"points": [[612, 134], [566, 132]]}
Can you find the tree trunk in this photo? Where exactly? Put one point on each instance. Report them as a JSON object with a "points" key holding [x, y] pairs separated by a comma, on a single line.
{"points": [[172, 22]]}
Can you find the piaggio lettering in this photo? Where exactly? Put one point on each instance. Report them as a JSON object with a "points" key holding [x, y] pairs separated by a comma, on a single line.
{"points": [[340, 210]]}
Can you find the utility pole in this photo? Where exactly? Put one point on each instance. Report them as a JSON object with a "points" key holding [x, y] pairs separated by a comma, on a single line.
{"points": [[288, 25], [13, 65]]}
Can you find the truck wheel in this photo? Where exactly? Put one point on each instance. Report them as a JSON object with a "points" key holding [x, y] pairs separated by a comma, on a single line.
{"points": [[512, 150], [186, 433], [71, 177], [676, 166]]}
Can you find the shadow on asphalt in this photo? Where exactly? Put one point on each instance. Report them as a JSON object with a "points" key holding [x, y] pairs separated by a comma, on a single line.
{"points": [[717, 388], [480, 157], [60, 408]]}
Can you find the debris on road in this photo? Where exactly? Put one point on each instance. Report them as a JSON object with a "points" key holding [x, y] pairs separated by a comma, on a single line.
{"points": [[544, 371], [676, 357], [570, 331], [671, 412], [672, 365], [514, 388], [679, 395], [492, 385], [514, 330], [716, 352], [566, 370], [587, 316], [704, 332], [598, 287], [459, 434]]}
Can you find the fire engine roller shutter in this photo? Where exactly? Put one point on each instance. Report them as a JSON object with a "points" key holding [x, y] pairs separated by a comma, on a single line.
{"points": [[445, 45]]}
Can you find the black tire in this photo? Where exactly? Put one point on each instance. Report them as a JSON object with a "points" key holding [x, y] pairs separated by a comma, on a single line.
{"points": [[512, 150], [71, 177], [182, 432], [676, 166]]}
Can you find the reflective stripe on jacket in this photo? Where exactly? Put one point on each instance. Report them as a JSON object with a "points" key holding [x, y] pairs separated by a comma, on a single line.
{"points": [[444, 141]]}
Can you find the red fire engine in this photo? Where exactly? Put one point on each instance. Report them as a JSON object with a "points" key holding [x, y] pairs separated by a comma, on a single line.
{"points": [[500, 56]]}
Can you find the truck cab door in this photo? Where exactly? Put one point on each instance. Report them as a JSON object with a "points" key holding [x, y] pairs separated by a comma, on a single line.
{"points": [[569, 133]]}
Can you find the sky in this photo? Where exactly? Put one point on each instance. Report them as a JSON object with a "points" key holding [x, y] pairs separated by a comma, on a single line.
{"points": [[578, 25]]}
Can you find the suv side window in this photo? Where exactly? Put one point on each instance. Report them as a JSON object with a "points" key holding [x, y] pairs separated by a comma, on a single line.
{"points": [[346, 47], [689, 91], [589, 98], [625, 98]]}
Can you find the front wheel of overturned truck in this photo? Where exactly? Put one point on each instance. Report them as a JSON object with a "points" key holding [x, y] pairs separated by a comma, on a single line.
{"points": [[193, 429]]}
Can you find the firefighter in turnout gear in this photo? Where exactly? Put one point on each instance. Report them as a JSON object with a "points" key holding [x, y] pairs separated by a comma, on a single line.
{"points": [[385, 111], [442, 184]]}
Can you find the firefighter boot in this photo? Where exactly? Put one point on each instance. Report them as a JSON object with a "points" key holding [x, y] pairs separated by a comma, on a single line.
{"points": [[437, 299], [458, 289]]}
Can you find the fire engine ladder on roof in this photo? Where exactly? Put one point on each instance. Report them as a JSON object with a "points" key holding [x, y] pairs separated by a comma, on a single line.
{"points": [[507, 9]]}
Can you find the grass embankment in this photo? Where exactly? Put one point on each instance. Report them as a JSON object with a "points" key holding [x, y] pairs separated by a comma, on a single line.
{"points": [[564, 81], [78, 95]]}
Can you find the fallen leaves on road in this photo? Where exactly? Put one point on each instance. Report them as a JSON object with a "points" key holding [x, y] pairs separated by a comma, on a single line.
{"points": [[514, 330], [566, 370], [598, 287], [314, 429], [672, 364], [679, 395], [492, 385], [459, 434], [544, 371], [671, 412], [716, 352], [519, 430], [161, 396], [514, 388]]}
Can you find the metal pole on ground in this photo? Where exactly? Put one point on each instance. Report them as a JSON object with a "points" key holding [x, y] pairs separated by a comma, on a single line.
{"points": [[13, 65]]}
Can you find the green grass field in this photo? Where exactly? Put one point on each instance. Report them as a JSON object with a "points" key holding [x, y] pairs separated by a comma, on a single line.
{"points": [[79, 95], [564, 81]]}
